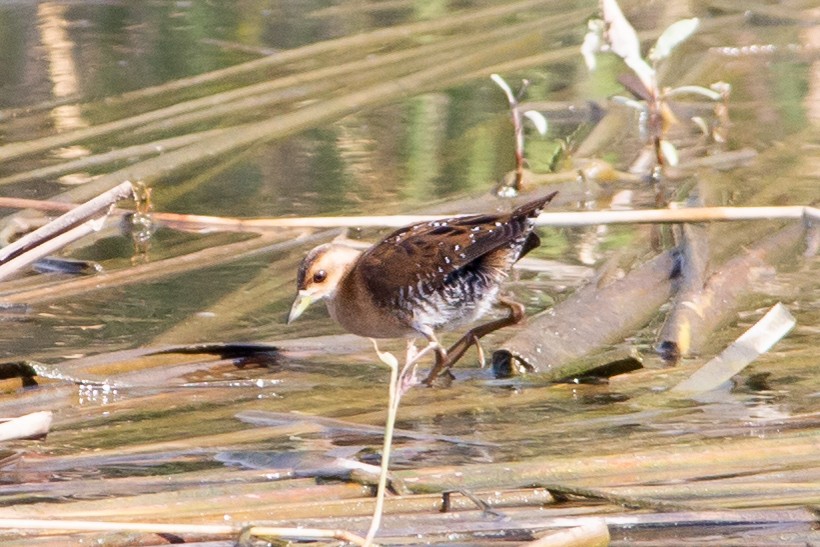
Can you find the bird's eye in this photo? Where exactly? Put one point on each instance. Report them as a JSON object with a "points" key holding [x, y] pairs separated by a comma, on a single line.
{"points": [[319, 276]]}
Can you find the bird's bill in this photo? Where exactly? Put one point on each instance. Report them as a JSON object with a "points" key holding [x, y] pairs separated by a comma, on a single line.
{"points": [[300, 304]]}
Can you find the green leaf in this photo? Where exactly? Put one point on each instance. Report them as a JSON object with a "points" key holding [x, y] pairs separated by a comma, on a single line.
{"points": [[621, 36], [645, 72], [623, 40], [701, 123], [631, 103], [694, 90], [538, 120], [674, 34], [670, 153], [502, 83], [593, 43]]}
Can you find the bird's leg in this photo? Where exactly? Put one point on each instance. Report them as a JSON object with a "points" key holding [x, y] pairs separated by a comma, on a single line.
{"points": [[457, 350], [407, 378], [480, 351], [441, 353]]}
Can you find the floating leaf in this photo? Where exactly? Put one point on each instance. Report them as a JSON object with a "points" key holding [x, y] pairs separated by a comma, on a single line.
{"points": [[674, 34], [538, 120]]}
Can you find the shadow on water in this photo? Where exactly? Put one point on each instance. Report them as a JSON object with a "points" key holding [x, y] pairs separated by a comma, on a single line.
{"points": [[319, 109]]}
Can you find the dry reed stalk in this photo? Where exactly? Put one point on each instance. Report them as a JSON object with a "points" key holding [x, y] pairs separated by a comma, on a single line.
{"points": [[101, 160], [568, 219], [166, 528]]}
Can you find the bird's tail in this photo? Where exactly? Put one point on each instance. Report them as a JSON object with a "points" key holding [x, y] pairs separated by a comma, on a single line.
{"points": [[533, 208]]}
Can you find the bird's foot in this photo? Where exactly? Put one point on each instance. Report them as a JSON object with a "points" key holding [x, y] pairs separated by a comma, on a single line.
{"points": [[446, 359], [440, 374]]}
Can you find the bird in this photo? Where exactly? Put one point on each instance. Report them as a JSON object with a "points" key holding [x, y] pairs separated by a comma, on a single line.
{"points": [[423, 278]]}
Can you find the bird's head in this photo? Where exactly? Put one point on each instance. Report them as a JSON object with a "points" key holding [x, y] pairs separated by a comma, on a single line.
{"points": [[319, 275]]}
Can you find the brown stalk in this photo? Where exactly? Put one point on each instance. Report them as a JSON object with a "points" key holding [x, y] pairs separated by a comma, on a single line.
{"points": [[71, 219], [552, 341], [714, 300]]}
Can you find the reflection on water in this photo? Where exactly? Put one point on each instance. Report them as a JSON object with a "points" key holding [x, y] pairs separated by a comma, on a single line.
{"points": [[61, 67], [100, 395], [63, 74]]}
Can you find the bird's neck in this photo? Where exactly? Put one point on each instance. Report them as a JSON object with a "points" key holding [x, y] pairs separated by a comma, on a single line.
{"points": [[347, 257]]}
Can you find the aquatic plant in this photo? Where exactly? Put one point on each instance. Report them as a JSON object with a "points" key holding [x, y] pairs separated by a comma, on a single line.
{"points": [[615, 34]]}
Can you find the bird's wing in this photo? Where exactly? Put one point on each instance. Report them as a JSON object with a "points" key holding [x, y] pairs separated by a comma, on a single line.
{"points": [[430, 252]]}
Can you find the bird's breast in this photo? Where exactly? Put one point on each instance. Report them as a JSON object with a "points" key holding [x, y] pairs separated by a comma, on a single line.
{"points": [[358, 312]]}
